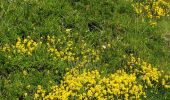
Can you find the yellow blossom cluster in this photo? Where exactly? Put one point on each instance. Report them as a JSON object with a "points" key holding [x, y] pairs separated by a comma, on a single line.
{"points": [[152, 9], [25, 46], [65, 48], [166, 81], [89, 85], [60, 48], [126, 83], [143, 69], [146, 72], [5, 48]]}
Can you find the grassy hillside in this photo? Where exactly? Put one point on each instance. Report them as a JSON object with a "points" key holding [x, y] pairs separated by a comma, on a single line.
{"points": [[84, 49]]}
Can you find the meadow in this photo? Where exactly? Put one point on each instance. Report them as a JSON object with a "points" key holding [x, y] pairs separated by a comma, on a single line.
{"points": [[84, 50]]}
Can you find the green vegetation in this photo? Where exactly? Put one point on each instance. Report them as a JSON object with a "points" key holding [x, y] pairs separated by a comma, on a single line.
{"points": [[44, 42]]}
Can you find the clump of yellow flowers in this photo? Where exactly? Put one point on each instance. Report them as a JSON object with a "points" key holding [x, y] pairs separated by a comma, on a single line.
{"points": [[166, 81], [60, 48], [126, 83], [90, 85], [25, 46], [147, 73], [144, 70], [152, 9], [65, 48], [5, 48]]}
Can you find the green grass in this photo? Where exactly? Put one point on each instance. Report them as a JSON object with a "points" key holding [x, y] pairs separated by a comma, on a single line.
{"points": [[96, 21]]}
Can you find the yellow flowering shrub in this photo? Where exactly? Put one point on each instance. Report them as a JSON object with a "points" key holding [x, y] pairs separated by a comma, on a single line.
{"points": [[25, 46], [5, 48], [145, 70], [65, 48], [90, 85], [166, 82], [148, 73], [126, 83], [152, 9]]}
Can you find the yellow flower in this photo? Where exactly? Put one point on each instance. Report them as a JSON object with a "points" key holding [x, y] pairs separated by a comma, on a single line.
{"points": [[25, 72], [36, 96], [153, 23], [68, 30], [25, 94], [163, 81], [109, 45], [89, 93], [28, 86], [103, 46]]}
